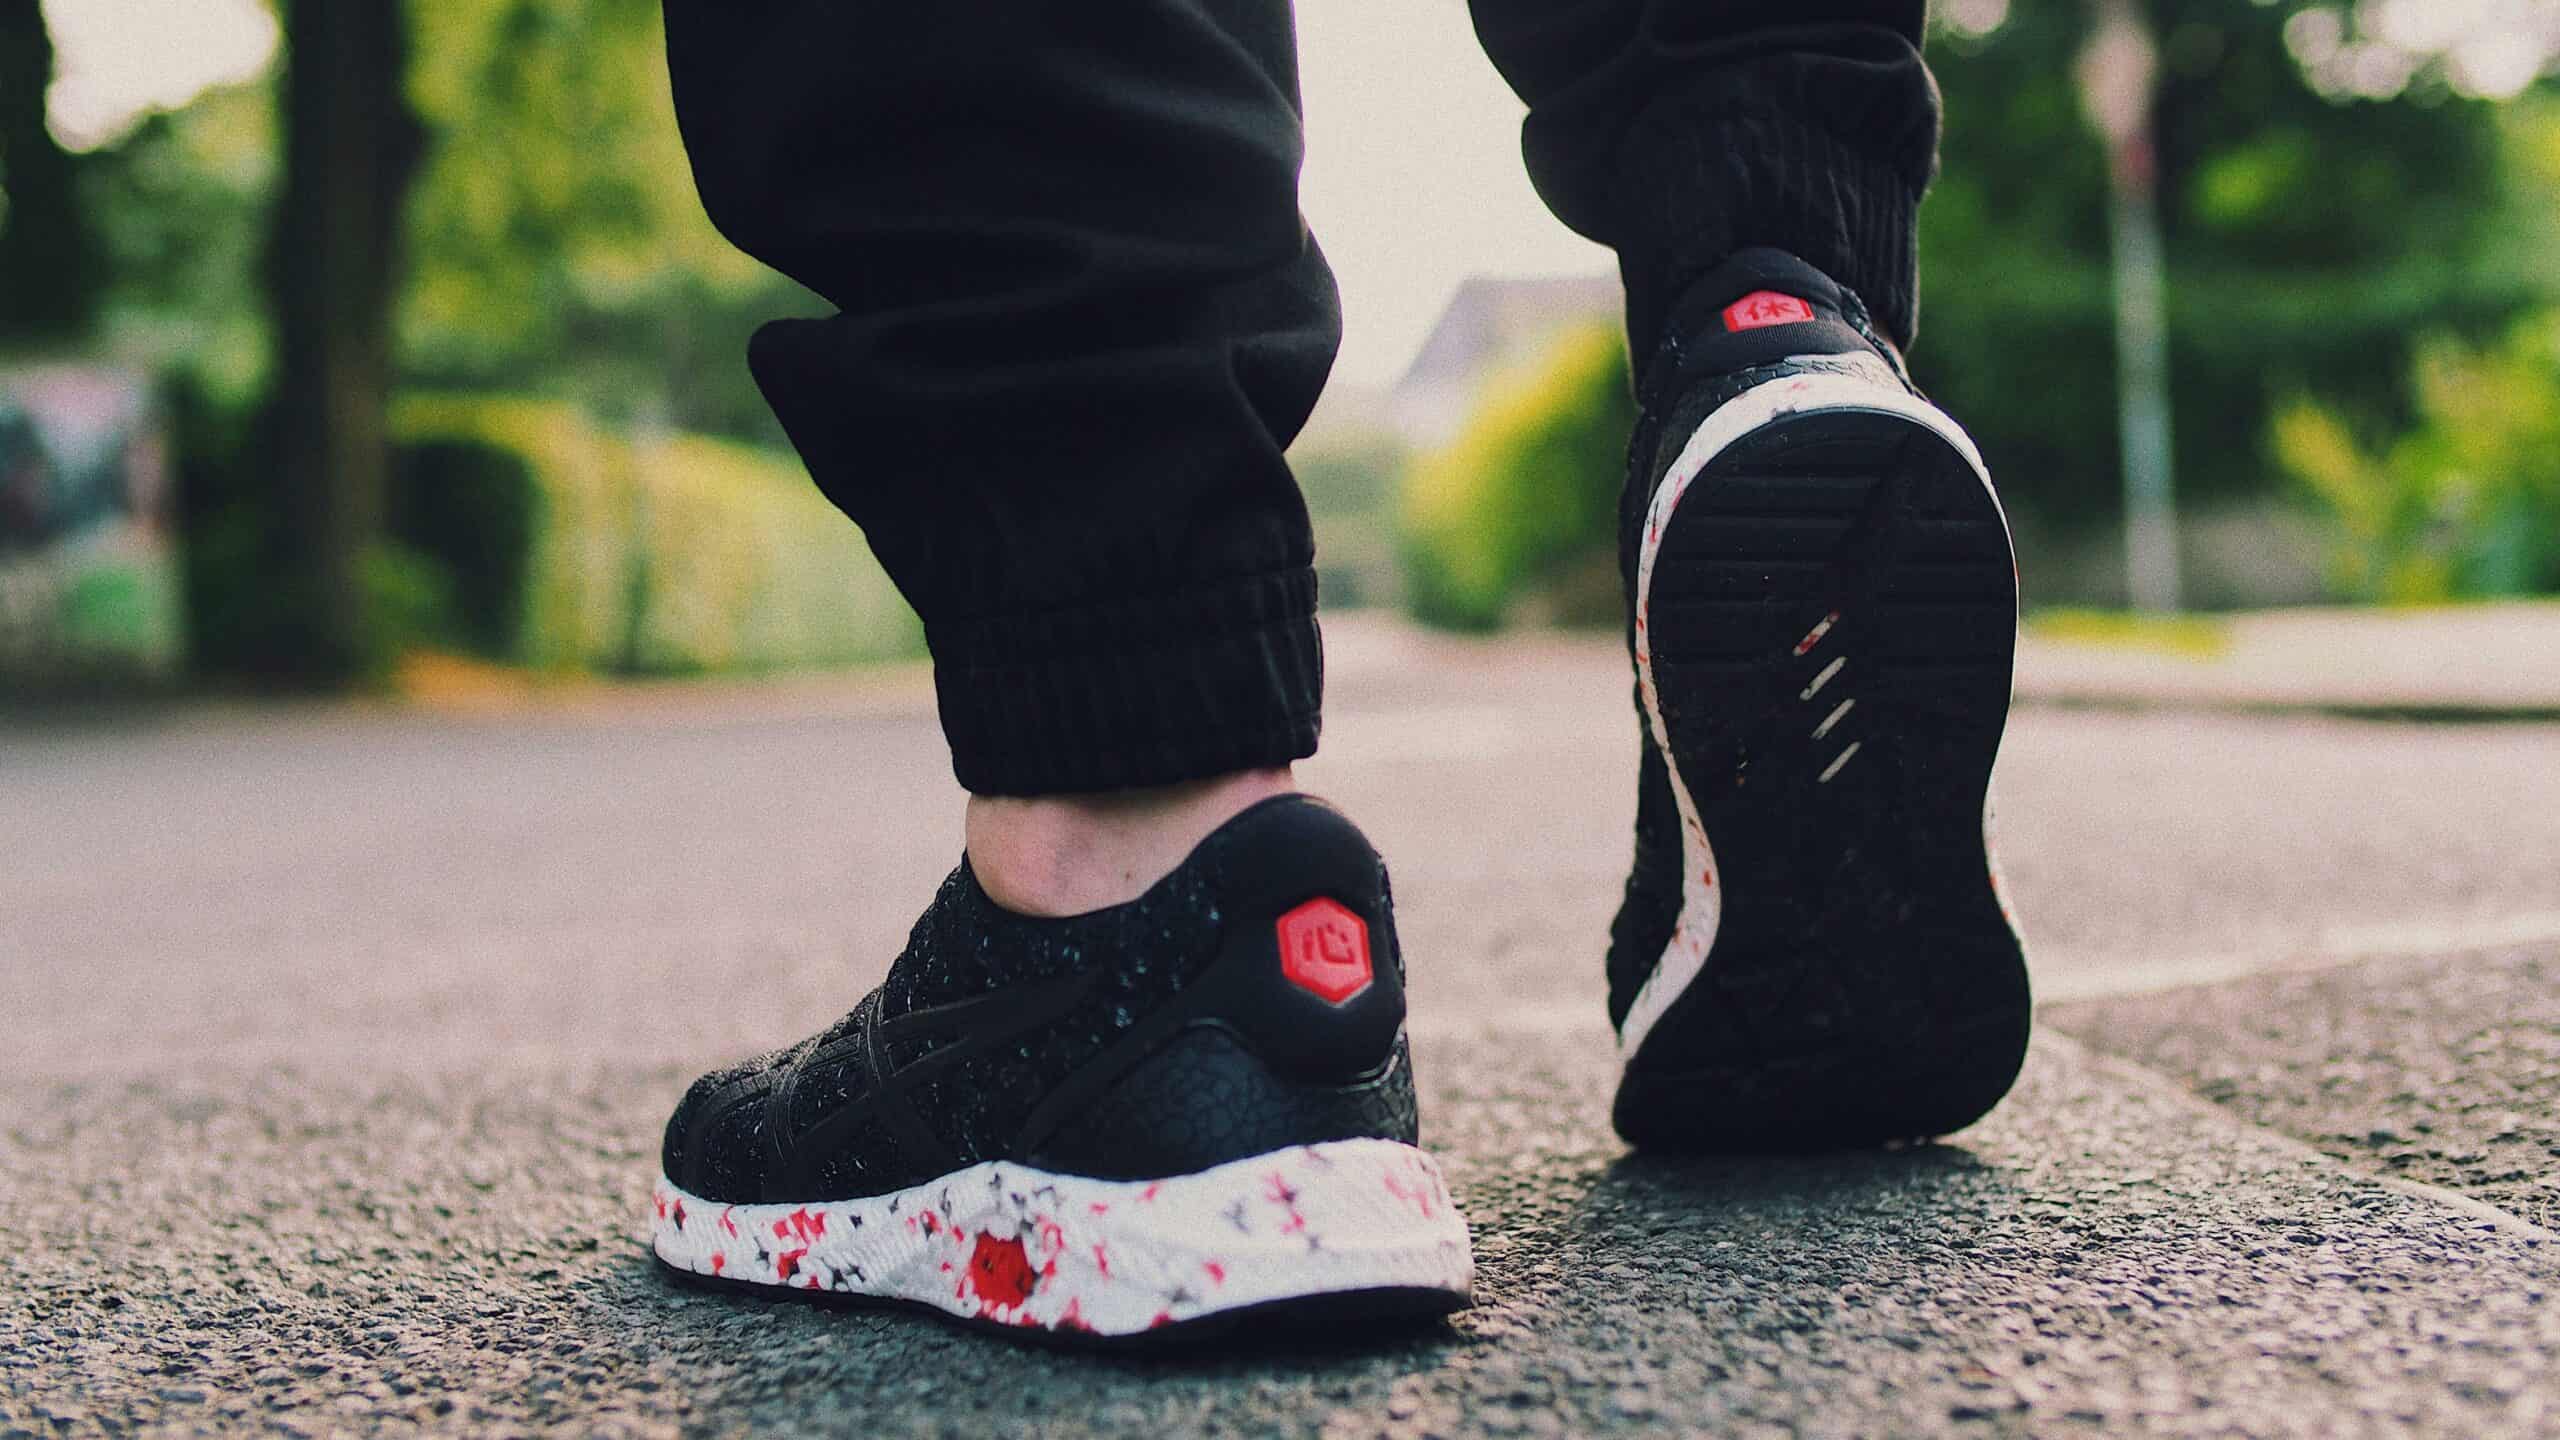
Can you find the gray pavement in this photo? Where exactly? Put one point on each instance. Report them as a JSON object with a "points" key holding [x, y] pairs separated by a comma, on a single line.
{"points": [[339, 1038], [2442, 1069], [2454, 662]]}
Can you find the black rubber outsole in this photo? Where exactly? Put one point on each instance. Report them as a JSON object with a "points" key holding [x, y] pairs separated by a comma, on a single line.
{"points": [[1865, 985], [1344, 1317]]}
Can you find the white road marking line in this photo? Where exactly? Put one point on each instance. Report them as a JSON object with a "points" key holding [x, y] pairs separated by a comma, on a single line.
{"points": [[1824, 678], [1833, 719], [1843, 760]]}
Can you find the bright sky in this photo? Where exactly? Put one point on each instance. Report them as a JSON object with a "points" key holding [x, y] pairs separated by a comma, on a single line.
{"points": [[115, 60], [1413, 178]]}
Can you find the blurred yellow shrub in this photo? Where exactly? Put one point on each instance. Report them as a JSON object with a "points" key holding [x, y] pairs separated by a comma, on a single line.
{"points": [[1528, 491], [2466, 504], [668, 554]]}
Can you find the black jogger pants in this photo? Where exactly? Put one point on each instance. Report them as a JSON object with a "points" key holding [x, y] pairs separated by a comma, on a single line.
{"points": [[1080, 319]]}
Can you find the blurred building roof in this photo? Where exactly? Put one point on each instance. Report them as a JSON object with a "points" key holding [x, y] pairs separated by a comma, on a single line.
{"points": [[1491, 322]]}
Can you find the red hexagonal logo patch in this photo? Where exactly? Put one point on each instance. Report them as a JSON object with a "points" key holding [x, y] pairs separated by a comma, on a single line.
{"points": [[1324, 950]]}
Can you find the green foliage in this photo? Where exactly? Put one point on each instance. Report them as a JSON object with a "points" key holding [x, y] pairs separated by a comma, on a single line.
{"points": [[409, 602], [231, 610], [2312, 242], [1529, 489], [471, 509], [234, 616], [2465, 504], [246, 621], [2314, 246], [556, 244], [556, 250], [180, 207], [2198, 636], [104, 606], [665, 554], [1351, 489], [103, 616]]}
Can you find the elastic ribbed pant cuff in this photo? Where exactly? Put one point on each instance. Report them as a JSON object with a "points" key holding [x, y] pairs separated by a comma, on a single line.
{"points": [[1146, 690], [1731, 166]]}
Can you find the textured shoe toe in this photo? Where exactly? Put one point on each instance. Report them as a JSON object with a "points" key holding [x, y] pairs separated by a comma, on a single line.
{"points": [[715, 1145]]}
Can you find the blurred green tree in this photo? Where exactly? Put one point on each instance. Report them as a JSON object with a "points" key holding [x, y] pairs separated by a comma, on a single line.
{"points": [[2465, 504], [2323, 229], [526, 225], [2315, 241], [51, 269], [559, 246], [180, 206], [552, 242], [351, 147], [1486, 519]]}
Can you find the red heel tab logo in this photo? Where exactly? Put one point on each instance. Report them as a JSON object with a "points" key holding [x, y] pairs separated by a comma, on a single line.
{"points": [[1324, 950], [1763, 308]]}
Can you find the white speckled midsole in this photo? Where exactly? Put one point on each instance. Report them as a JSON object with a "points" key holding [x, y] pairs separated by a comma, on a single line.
{"points": [[1877, 392], [1017, 1246]]}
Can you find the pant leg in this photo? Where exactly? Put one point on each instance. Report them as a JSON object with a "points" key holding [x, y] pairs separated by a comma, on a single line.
{"points": [[1680, 131], [1079, 319]]}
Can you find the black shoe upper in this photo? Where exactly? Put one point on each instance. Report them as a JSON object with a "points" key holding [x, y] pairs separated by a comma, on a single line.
{"points": [[1827, 654], [1251, 1000], [1712, 350], [1712, 339]]}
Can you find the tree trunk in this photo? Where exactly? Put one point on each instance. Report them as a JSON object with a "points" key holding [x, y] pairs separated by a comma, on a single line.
{"points": [[51, 269], [351, 148]]}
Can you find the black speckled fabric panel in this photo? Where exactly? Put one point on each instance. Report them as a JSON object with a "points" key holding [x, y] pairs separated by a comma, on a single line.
{"points": [[1204, 1098], [966, 945], [1138, 955], [722, 1142]]}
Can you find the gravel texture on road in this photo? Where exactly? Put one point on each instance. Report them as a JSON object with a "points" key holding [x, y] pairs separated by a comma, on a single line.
{"points": [[340, 1039], [2443, 1070], [464, 1255]]}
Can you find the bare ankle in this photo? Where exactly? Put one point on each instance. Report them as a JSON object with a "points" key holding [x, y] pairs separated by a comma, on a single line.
{"points": [[1067, 854]]}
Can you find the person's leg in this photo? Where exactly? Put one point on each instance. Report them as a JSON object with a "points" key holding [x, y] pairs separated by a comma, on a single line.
{"points": [[1822, 607], [1143, 1054], [1079, 320], [1679, 132]]}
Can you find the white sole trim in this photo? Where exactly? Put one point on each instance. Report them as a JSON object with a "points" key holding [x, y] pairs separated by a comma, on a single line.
{"points": [[1009, 1244], [1701, 894]]}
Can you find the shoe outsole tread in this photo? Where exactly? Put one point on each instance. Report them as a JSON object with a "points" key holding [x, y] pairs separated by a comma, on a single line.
{"points": [[1832, 626]]}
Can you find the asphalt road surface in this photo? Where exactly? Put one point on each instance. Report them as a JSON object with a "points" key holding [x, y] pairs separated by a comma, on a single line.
{"points": [[338, 1040]]}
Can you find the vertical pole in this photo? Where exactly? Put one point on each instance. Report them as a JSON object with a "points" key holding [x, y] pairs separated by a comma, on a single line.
{"points": [[2142, 363], [2117, 74]]}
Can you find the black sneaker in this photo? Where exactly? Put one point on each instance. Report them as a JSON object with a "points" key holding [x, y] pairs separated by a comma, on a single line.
{"points": [[1813, 950], [1157, 1117]]}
